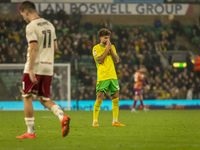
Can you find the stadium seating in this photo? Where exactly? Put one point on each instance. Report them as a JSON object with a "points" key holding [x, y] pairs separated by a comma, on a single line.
{"points": [[87, 62]]}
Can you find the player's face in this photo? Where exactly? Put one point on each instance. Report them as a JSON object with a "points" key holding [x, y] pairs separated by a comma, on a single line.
{"points": [[104, 39], [25, 16], [143, 70]]}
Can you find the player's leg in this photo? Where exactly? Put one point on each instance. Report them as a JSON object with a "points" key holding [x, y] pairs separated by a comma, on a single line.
{"points": [[64, 119], [27, 87], [29, 114], [115, 106], [29, 119], [142, 104], [136, 98], [114, 92], [101, 89], [97, 106], [43, 95], [53, 107]]}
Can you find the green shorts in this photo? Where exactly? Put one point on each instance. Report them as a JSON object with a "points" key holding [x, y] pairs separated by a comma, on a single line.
{"points": [[110, 85]]}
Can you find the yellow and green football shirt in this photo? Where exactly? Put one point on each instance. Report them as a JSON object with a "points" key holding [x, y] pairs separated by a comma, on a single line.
{"points": [[105, 70]]}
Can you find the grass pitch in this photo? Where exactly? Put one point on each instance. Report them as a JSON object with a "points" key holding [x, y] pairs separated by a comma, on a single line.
{"points": [[156, 129]]}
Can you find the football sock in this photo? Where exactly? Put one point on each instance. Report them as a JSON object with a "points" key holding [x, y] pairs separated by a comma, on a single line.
{"points": [[115, 120], [96, 109], [95, 121], [141, 102], [30, 125], [134, 104], [57, 111], [115, 108]]}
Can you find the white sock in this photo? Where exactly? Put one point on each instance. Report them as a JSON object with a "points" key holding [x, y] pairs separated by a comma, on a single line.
{"points": [[95, 121], [57, 111], [60, 116], [30, 125], [115, 120], [31, 129]]}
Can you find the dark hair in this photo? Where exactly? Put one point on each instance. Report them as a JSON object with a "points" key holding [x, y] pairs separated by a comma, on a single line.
{"points": [[28, 6], [104, 32]]}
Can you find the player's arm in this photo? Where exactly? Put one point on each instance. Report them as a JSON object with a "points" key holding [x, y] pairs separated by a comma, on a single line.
{"points": [[114, 56], [55, 45], [101, 58], [145, 83], [33, 53], [33, 50]]}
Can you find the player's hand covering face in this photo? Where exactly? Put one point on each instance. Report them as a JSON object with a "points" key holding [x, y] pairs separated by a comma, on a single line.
{"points": [[108, 44], [105, 39]]}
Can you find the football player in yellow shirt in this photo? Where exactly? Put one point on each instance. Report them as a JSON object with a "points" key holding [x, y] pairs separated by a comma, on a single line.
{"points": [[105, 56]]}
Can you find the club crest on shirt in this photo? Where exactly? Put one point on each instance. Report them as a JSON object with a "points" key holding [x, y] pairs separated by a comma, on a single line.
{"points": [[95, 52]]}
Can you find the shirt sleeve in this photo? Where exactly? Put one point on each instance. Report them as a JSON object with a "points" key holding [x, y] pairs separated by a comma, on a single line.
{"points": [[96, 53], [114, 49], [31, 35]]}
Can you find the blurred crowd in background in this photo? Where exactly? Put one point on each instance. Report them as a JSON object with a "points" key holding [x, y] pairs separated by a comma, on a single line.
{"points": [[135, 45]]}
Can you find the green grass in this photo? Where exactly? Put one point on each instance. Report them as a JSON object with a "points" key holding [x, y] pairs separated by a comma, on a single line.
{"points": [[156, 129]]}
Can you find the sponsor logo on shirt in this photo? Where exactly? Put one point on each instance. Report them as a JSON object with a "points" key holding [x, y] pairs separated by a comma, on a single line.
{"points": [[95, 52], [45, 62]]}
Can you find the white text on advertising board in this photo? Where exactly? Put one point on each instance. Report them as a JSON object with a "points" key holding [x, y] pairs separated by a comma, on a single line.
{"points": [[113, 8]]}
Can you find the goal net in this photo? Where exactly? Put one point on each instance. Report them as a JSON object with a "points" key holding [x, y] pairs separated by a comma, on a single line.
{"points": [[11, 83]]}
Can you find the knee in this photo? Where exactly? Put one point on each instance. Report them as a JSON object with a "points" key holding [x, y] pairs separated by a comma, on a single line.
{"points": [[115, 101], [116, 95], [99, 102], [42, 101], [100, 96]]}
